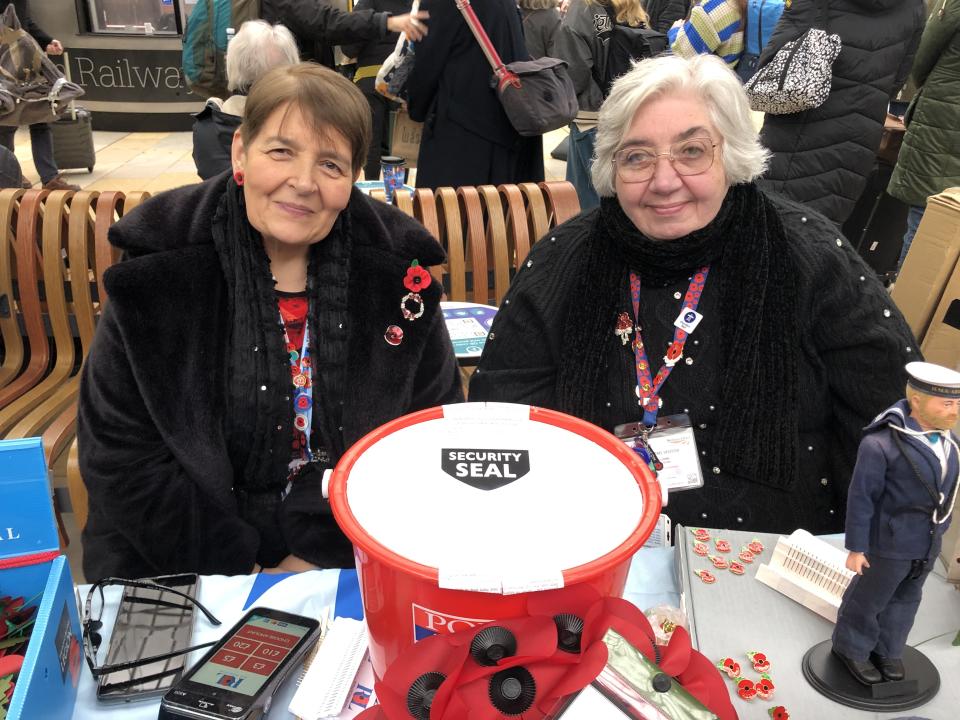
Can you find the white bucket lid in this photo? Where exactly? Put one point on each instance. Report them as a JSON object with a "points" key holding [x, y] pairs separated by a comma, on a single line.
{"points": [[494, 499]]}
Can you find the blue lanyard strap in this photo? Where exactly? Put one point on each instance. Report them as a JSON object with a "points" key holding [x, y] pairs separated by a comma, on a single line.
{"points": [[648, 387]]}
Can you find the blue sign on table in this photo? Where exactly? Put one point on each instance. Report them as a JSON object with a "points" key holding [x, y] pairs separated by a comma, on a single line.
{"points": [[468, 325]]}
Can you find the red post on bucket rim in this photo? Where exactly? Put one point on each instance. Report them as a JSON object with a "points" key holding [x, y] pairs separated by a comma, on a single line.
{"points": [[649, 488]]}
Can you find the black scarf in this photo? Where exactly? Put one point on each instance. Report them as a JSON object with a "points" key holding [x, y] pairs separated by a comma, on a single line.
{"points": [[256, 355], [758, 429]]}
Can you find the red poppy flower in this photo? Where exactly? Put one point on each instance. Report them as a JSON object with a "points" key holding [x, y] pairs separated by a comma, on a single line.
{"points": [[760, 662], [737, 568], [764, 687], [417, 278], [730, 666], [746, 689], [700, 549], [746, 555], [718, 562], [723, 546], [779, 713], [708, 577], [755, 546], [459, 673], [701, 535]]}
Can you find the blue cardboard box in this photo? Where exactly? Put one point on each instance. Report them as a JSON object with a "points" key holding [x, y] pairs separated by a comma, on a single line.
{"points": [[30, 564]]}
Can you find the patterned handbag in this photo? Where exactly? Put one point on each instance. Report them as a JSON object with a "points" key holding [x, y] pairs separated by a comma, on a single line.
{"points": [[799, 75]]}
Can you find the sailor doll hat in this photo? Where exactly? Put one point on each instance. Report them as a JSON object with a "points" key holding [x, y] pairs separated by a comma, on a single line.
{"points": [[934, 379]]}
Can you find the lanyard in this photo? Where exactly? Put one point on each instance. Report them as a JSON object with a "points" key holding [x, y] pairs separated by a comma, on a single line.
{"points": [[648, 388], [301, 370]]}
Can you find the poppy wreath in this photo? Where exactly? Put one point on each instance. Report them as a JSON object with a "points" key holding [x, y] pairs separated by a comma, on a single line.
{"points": [[526, 665]]}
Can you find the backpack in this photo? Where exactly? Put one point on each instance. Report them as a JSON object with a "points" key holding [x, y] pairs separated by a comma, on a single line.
{"points": [[205, 43], [623, 45], [762, 18], [32, 88]]}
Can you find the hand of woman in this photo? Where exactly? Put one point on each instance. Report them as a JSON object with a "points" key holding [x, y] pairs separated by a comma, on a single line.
{"points": [[291, 564], [410, 24]]}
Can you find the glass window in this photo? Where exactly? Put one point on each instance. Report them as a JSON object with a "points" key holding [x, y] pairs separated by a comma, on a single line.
{"points": [[135, 17]]}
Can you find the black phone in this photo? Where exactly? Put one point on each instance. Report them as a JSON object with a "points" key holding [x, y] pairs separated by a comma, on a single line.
{"points": [[237, 677], [149, 622]]}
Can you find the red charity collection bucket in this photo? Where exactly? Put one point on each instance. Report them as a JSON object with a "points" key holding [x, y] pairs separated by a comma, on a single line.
{"points": [[456, 513]]}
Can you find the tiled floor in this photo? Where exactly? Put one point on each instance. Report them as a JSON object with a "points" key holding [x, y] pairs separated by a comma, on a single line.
{"points": [[160, 161]]}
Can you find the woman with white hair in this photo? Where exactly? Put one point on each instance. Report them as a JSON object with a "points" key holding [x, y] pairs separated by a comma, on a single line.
{"points": [[256, 48], [691, 297]]}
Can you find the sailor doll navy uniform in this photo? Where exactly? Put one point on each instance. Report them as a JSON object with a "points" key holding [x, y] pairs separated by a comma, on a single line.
{"points": [[901, 497]]}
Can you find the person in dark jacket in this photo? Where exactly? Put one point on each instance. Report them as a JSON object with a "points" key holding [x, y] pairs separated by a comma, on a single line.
{"points": [[929, 160], [664, 13], [902, 496], [541, 25], [822, 157], [370, 56], [798, 344], [262, 323], [257, 48], [41, 137], [319, 26], [467, 138], [582, 42]]}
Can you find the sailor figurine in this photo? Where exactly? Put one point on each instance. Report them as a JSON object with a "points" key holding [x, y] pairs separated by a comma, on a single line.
{"points": [[901, 497]]}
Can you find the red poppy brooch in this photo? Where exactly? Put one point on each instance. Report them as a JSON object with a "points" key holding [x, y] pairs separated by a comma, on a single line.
{"points": [[416, 279]]}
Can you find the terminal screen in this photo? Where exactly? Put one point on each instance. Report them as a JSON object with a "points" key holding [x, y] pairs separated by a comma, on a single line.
{"points": [[245, 662]]}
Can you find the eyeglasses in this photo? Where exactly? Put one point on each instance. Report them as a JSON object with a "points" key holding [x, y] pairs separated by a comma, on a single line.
{"points": [[688, 157], [92, 626]]}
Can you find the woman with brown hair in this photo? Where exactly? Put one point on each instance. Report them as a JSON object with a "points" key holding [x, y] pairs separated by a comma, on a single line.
{"points": [[263, 322], [584, 34]]}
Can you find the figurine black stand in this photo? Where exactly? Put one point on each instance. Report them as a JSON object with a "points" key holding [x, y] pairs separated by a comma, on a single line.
{"points": [[830, 677]]}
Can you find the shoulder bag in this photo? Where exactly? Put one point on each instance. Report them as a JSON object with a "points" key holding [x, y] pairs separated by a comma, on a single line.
{"points": [[537, 95], [391, 80], [799, 75], [32, 88]]}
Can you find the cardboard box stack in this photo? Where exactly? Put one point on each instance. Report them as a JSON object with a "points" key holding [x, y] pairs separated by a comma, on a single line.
{"points": [[928, 288], [32, 567]]}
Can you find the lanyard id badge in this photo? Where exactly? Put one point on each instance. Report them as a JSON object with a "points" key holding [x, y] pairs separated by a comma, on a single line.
{"points": [[672, 443]]}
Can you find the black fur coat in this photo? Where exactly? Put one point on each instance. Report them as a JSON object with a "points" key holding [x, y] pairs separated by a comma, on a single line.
{"points": [[163, 490]]}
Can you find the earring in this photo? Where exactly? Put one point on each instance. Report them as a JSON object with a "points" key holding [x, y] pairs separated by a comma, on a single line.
{"points": [[238, 177]]}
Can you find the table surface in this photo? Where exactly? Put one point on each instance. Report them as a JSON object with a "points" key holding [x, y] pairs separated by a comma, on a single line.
{"points": [[652, 581]]}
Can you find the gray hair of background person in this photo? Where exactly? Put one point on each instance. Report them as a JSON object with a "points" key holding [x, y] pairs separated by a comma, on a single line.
{"points": [[707, 77], [537, 4], [257, 48]]}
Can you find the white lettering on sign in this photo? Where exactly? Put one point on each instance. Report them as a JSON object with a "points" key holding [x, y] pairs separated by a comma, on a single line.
{"points": [[485, 469], [11, 535], [124, 75], [481, 470], [484, 455]]}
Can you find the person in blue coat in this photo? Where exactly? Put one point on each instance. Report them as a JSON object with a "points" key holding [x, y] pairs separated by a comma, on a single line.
{"points": [[901, 498]]}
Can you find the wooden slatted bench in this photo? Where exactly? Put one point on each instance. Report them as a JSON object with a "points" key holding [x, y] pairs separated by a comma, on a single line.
{"points": [[54, 251]]}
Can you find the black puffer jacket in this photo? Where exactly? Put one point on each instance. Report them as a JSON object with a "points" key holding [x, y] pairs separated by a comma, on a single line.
{"points": [[319, 26], [664, 13], [376, 50], [822, 157]]}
